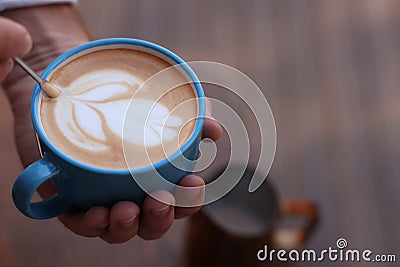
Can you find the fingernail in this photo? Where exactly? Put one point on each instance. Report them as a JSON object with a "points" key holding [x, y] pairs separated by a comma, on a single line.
{"points": [[102, 226], [25, 45], [10, 65], [191, 196], [161, 212], [128, 223]]}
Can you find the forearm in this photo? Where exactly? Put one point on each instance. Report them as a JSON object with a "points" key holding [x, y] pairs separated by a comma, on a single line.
{"points": [[54, 29]]}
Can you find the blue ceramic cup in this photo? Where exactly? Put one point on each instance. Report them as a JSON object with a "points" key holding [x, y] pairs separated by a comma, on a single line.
{"points": [[82, 186]]}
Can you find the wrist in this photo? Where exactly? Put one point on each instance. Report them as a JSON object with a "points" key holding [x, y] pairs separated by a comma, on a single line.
{"points": [[54, 29]]}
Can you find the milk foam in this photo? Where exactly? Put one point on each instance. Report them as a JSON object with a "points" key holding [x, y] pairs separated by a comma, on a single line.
{"points": [[90, 117], [96, 101]]}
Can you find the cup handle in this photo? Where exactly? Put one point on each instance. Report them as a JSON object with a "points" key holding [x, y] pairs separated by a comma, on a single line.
{"points": [[296, 223], [26, 185]]}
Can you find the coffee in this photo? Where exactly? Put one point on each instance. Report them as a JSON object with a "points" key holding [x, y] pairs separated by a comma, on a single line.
{"points": [[86, 120]]}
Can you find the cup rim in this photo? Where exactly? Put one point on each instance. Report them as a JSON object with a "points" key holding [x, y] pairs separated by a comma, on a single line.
{"points": [[116, 41]]}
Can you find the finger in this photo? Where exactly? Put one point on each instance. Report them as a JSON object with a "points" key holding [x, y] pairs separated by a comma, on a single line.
{"points": [[193, 197], [211, 129], [15, 39], [208, 107], [91, 223], [157, 216], [124, 223], [5, 68]]}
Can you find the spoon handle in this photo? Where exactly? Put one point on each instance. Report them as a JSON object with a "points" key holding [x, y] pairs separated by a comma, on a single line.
{"points": [[29, 70], [49, 89]]}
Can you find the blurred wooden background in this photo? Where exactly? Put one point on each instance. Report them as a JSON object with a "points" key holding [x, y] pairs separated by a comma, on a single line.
{"points": [[330, 70]]}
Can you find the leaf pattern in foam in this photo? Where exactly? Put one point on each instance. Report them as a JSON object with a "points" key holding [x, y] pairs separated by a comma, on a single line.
{"points": [[149, 124], [94, 104], [102, 85], [70, 124]]}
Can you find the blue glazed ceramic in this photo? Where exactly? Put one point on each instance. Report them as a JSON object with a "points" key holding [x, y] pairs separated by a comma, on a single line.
{"points": [[83, 186]]}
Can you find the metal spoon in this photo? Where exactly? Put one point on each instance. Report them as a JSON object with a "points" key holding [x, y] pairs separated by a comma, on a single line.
{"points": [[48, 88]]}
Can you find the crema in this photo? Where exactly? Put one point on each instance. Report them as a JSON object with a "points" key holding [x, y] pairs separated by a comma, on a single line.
{"points": [[91, 122]]}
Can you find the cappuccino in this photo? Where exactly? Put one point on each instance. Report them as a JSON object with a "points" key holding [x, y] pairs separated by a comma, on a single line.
{"points": [[91, 122]]}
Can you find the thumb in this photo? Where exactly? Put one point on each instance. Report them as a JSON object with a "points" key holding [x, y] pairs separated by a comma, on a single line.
{"points": [[15, 39]]}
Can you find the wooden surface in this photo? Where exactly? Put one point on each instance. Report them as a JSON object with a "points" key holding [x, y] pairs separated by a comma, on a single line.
{"points": [[330, 70]]}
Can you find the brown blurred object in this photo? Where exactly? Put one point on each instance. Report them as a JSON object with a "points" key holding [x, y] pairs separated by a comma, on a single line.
{"points": [[230, 231], [292, 229]]}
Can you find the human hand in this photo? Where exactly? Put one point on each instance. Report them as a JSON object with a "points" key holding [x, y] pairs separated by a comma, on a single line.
{"points": [[124, 220]]}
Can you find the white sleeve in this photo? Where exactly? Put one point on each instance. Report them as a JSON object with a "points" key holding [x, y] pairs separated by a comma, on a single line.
{"points": [[10, 4]]}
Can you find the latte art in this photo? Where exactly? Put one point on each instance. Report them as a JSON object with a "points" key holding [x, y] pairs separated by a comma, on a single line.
{"points": [[92, 107], [159, 125], [86, 121]]}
